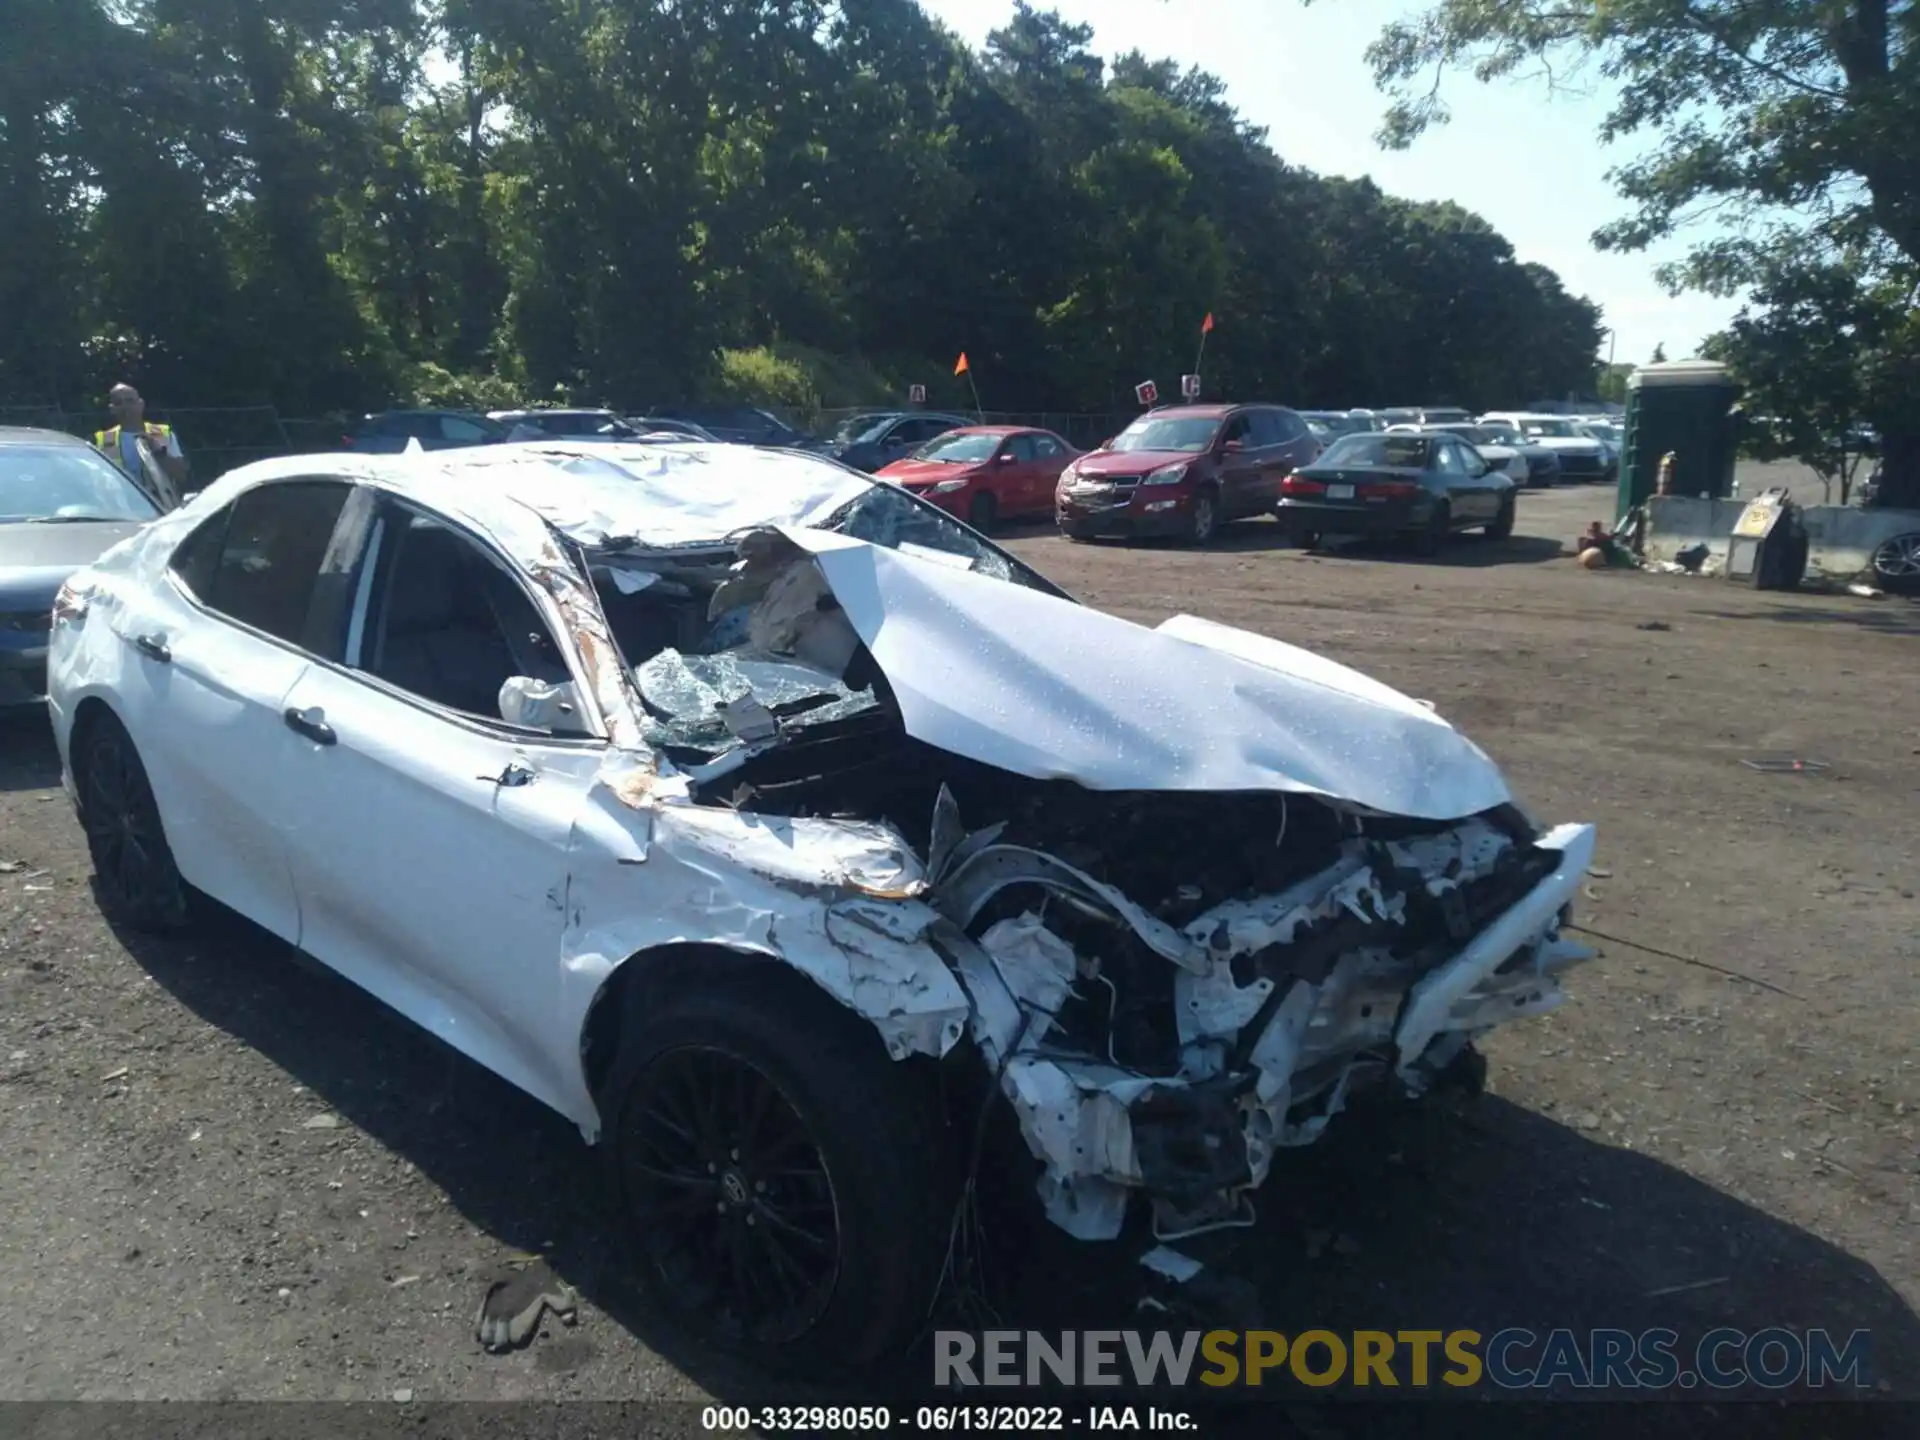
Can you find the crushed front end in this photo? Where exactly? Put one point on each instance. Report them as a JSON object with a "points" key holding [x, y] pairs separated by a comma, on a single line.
{"points": [[1172, 1048]]}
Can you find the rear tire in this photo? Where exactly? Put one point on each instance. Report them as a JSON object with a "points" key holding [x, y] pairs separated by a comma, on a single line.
{"points": [[1502, 526], [135, 877], [784, 1184], [1433, 538], [982, 512]]}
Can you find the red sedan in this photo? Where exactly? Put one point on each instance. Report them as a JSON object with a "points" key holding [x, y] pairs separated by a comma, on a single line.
{"points": [[985, 473]]}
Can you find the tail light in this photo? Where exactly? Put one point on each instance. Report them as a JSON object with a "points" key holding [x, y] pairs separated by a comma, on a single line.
{"points": [[1294, 485], [1389, 490]]}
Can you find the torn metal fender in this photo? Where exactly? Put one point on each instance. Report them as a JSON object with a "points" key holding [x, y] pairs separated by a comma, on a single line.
{"points": [[836, 900], [1430, 1006], [991, 869], [1039, 686]]}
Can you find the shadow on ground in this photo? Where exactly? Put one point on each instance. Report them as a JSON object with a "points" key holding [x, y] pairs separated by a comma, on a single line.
{"points": [[1879, 617], [1481, 1219], [1466, 552], [28, 760]]}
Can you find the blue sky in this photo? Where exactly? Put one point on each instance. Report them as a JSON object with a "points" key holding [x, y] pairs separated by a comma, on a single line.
{"points": [[1532, 165]]}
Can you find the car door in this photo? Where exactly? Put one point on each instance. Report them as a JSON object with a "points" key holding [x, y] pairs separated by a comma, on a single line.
{"points": [[1285, 444], [427, 835], [213, 653], [1487, 483], [1012, 475], [1464, 498], [1050, 456], [1237, 466]]}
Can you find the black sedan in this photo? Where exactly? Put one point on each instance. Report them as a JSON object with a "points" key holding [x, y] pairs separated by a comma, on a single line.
{"points": [[1423, 487], [887, 436], [62, 504]]}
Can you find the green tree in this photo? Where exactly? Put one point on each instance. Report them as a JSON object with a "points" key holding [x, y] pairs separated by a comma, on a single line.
{"points": [[1795, 124]]}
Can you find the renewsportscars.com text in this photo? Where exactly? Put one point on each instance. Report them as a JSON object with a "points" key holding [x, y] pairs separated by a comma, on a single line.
{"points": [[1518, 1359]]}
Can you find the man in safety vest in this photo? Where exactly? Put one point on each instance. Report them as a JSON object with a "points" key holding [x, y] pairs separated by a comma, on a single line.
{"points": [[121, 441]]}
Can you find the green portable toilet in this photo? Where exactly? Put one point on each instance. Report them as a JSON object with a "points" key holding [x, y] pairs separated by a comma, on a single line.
{"points": [[1684, 406]]}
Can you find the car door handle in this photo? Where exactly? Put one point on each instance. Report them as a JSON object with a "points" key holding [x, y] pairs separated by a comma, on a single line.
{"points": [[312, 724], [153, 647], [513, 775]]}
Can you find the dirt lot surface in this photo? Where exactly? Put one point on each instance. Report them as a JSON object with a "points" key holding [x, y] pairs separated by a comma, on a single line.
{"points": [[226, 1176]]}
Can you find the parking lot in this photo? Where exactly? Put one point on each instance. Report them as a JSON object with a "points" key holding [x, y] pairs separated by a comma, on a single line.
{"points": [[229, 1176]]}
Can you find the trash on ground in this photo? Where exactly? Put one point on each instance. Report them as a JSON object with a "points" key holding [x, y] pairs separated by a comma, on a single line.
{"points": [[1787, 766], [325, 1121], [1164, 1260], [510, 1311], [1653, 625], [12, 867], [1690, 1285], [1865, 592]]}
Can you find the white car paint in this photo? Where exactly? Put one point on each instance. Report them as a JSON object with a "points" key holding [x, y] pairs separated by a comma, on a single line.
{"points": [[1583, 446], [491, 907]]}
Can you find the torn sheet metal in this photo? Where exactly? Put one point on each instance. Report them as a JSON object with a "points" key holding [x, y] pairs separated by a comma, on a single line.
{"points": [[987, 871], [1200, 1141], [1045, 688], [1430, 1008], [833, 899]]}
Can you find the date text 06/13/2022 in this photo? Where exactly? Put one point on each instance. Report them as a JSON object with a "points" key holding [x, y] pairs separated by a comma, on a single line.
{"points": [[941, 1419]]}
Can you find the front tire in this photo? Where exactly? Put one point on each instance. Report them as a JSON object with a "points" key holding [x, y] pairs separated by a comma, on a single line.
{"points": [[1433, 536], [135, 877], [1502, 526], [982, 512], [783, 1182], [1203, 520]]}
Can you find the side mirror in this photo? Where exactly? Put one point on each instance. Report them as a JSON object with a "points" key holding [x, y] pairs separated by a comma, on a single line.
{"points": [[1005, 457], [189, 497], [1233, 447]]}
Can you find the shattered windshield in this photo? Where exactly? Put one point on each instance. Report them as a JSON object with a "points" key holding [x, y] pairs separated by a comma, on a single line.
{"points": [[895, 520], [727, 660]]}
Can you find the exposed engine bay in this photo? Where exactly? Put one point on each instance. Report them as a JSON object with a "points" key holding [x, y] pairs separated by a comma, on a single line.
{"points": [[1168, 986]]}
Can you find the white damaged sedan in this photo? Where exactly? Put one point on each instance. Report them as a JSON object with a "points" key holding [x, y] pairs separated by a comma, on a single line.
{"points": [[773, 826]]}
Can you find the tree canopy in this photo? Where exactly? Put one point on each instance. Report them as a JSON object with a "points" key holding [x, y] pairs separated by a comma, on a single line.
{"points": [[1795, 125], [346, 204]]}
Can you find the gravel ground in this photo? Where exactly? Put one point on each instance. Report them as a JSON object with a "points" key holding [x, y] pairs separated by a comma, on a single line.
{"points": [[229, 1176]]}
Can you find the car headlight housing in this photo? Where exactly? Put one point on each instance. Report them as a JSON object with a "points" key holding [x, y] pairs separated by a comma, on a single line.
{"points": [[1167, 474], [947, 487]]}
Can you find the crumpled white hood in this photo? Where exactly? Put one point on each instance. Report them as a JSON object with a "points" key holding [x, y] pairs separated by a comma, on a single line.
{"points": [[1045, 688]]}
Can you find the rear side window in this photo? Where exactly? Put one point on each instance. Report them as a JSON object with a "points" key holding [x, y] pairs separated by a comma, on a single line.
{"points": [[257, 560], [1267, 429], [452, 427], [1046, 447]]}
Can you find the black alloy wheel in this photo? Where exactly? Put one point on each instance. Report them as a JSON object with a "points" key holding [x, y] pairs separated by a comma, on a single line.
{"points": [[731, 1196], [137, 880]]}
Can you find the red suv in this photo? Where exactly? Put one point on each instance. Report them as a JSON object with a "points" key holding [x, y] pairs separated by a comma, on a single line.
{"points": [[1184, 470]]}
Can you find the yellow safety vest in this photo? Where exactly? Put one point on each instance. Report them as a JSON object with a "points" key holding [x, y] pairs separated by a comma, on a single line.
{"points": [[109, 440]]}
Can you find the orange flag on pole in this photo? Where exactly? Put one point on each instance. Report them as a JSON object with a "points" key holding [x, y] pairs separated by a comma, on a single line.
{"points": [[1206, 325], [960, 365]]}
